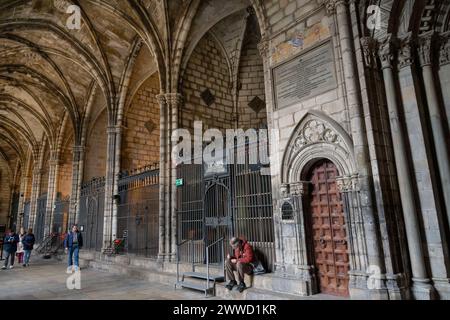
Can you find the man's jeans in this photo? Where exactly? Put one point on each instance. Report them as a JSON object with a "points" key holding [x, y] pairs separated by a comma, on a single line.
{"points": [[73, 251], [27, 256], [10, 255]]}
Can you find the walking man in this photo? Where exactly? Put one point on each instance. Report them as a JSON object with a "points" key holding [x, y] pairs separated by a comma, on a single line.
{"points": [[72, 245], [28, 244], [10, 247]]}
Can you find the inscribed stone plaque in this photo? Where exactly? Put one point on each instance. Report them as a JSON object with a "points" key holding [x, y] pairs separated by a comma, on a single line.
{"points": [[305, 76]]}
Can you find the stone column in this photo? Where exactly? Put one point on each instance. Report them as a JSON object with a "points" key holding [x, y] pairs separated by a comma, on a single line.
{"points": [[444, 70], [162, 176], [118, 148], [292, 258], [77, 180], [305, 267], [21, 209], [421, 287], [109, 187], [339, 9], [51, 190], [426, 49], [35, 191], [174, 101]]}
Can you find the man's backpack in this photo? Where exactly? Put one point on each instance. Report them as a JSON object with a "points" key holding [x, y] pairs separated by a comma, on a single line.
{"points": [[258, 268]]}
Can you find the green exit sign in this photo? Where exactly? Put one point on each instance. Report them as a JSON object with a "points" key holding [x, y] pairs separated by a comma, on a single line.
{"points": [[179, 182]]}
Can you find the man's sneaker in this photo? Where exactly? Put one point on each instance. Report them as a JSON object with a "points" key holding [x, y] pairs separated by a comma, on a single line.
{"points": [[4, 268], [69, 270], [24, 265], [231, 284], [11, 267], [241, 287]]}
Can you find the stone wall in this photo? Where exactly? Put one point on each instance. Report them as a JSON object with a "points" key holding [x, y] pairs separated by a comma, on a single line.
{"points": [[207, 69], [5, 192], [95, 157], [251, 82], [65, 172], [45, 171], [139, 146]]}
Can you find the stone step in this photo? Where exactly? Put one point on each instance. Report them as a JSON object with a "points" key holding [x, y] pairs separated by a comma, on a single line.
{"points": [[252, 293], [267, 285], [200, 275], [196, 286]]}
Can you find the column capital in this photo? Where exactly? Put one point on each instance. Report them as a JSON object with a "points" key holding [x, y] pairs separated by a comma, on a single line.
{"points": [[263, 48], [114, 129], [386, 51], [425, 48], [331, 5], [348, 183], [369, 48], [174, 98], [284, 190], [78, 151], [299, 188], [444, 50], [161, 98], [406, 48], [78, 148]]}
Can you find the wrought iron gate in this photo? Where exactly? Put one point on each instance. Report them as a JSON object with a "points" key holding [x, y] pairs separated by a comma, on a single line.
{"points": [[61, 215], [26, 215], [92, 203], [138, 211], [14, 211], [233, 201], [39, 231]]}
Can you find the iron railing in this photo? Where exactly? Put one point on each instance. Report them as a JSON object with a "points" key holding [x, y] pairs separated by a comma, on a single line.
{"points": [[39, 226], [92, 202], [138, 211], [235, 201], [218, 243]]}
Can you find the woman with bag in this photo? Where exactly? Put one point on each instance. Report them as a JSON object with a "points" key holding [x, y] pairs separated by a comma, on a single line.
{"points": [[20, 252]]}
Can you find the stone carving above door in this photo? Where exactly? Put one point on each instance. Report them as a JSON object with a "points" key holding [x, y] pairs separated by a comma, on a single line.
{"points": [[315, 131], [317, 136]]}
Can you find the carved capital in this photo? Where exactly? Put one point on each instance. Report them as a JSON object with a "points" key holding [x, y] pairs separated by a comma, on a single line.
{"points": [[444, 50], [78, 152], [348, 183], [386, 51], [425, 48], [284, 190], [161, 99], [299, 188], [114, 129], [263, 48], [331, 5], [369, 49], [406, 57], [174, 99]]}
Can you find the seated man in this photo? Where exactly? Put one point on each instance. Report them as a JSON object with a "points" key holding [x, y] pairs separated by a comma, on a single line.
{"points": [[240, 262]]}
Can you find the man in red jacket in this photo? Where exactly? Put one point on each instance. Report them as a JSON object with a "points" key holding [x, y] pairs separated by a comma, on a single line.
{"points": [[240, 262]]}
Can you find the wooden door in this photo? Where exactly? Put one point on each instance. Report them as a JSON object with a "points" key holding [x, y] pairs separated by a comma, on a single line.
{"points": [[328, 230]]}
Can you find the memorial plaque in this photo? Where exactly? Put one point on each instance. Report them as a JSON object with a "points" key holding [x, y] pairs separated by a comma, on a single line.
{"points": [[305, 76]]}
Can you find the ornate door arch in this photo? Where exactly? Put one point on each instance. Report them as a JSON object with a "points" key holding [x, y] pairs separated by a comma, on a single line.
{"points": [[327, 230]]}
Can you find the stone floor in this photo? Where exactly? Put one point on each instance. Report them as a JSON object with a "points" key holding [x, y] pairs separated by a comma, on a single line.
{"points": [[46, 280]]}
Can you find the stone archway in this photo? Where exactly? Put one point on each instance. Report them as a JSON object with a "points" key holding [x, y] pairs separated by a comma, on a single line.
{"points": [[326, 229], [319, 138]]}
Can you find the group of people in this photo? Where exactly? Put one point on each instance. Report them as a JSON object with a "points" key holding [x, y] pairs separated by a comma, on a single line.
{"points": [[19, 245], [242, 260]]}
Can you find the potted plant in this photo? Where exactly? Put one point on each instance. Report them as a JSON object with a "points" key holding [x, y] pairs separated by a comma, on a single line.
{"points": [[118, 245]]}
